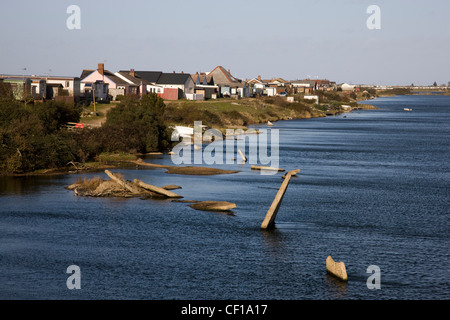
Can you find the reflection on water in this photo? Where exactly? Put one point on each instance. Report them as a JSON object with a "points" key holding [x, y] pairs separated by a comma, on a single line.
{"points": [[336, 288], [274, 242]]}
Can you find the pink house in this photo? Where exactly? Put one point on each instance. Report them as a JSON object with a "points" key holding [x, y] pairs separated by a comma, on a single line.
{"points": [[117, 85]]}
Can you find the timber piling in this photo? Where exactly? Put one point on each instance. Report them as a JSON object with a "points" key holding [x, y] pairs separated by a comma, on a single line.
{"points": [[269, 220]]}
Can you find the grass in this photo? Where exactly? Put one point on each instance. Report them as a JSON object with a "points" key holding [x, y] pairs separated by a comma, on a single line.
{"points": [[117, 156], [220, 114], [231, 113], [88, 184]]}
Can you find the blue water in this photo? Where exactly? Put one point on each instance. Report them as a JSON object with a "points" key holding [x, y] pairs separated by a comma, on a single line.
{"points": [[373, 190]]}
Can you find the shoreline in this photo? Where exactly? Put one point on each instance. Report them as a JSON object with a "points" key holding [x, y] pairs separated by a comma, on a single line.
{"points": [[135, 160]]}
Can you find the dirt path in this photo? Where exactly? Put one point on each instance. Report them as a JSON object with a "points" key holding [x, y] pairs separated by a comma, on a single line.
{"points": [[97, 121]]}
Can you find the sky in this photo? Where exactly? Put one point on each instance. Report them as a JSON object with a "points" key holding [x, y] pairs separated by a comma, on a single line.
{"points": [[291, 39]]}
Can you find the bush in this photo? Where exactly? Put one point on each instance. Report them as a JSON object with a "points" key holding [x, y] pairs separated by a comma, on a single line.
{"points": [[30, 136]]}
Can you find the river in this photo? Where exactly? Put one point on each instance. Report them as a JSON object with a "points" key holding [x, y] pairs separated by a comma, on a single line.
{"points": [[373, 190]]}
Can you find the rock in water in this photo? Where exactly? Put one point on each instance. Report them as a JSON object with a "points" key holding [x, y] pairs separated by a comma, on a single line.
{"points": [[171, 187], [213, 205], [336, 269]]}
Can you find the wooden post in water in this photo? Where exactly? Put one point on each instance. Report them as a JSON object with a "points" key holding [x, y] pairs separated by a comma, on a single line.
{"points": [[269, 220], [156, 189], [122, 182], [242, 155]]}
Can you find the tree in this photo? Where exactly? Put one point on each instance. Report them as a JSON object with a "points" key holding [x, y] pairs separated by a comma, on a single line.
{"points": [[137, 125], [435, 84]]}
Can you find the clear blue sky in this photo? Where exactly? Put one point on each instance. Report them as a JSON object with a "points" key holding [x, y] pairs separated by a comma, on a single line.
{"points": [[291, 39]]}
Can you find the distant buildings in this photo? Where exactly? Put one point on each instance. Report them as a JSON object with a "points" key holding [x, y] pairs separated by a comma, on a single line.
{"points": [[44, 87], [105, 85]]}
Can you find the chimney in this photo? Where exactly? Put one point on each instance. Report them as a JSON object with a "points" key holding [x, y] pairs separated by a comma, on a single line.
{"points": [[101, 68], [132, 72], [182, 72], [174, 72]]}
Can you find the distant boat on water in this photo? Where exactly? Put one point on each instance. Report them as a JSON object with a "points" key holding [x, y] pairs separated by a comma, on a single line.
{"points": [[407, 109]]}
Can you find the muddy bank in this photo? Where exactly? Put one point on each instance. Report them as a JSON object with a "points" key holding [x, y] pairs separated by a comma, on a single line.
{"points": [[202, 171]]}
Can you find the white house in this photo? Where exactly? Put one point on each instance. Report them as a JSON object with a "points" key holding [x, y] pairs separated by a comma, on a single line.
{"points": [[270, 91]]}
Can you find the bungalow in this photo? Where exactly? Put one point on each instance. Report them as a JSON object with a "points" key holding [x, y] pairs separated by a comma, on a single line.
{"points": [[256, 83], [181, 81], [116, 85], [278, 82], [50, 87], [305, 86], [148, 78], [71, 85], [139, 85], [170, 86]]}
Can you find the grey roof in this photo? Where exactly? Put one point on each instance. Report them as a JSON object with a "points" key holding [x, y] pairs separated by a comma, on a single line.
{"points": [[85, 73], [150, 76], [310, 82], [114, 78], [173, 78], [134, 80]]}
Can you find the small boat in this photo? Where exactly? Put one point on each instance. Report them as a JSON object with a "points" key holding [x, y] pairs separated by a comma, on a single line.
{"points": [[407, 109], [269, 123]]}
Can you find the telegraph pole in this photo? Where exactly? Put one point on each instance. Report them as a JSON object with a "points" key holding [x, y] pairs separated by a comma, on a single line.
{"points": [[93, 95]]}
